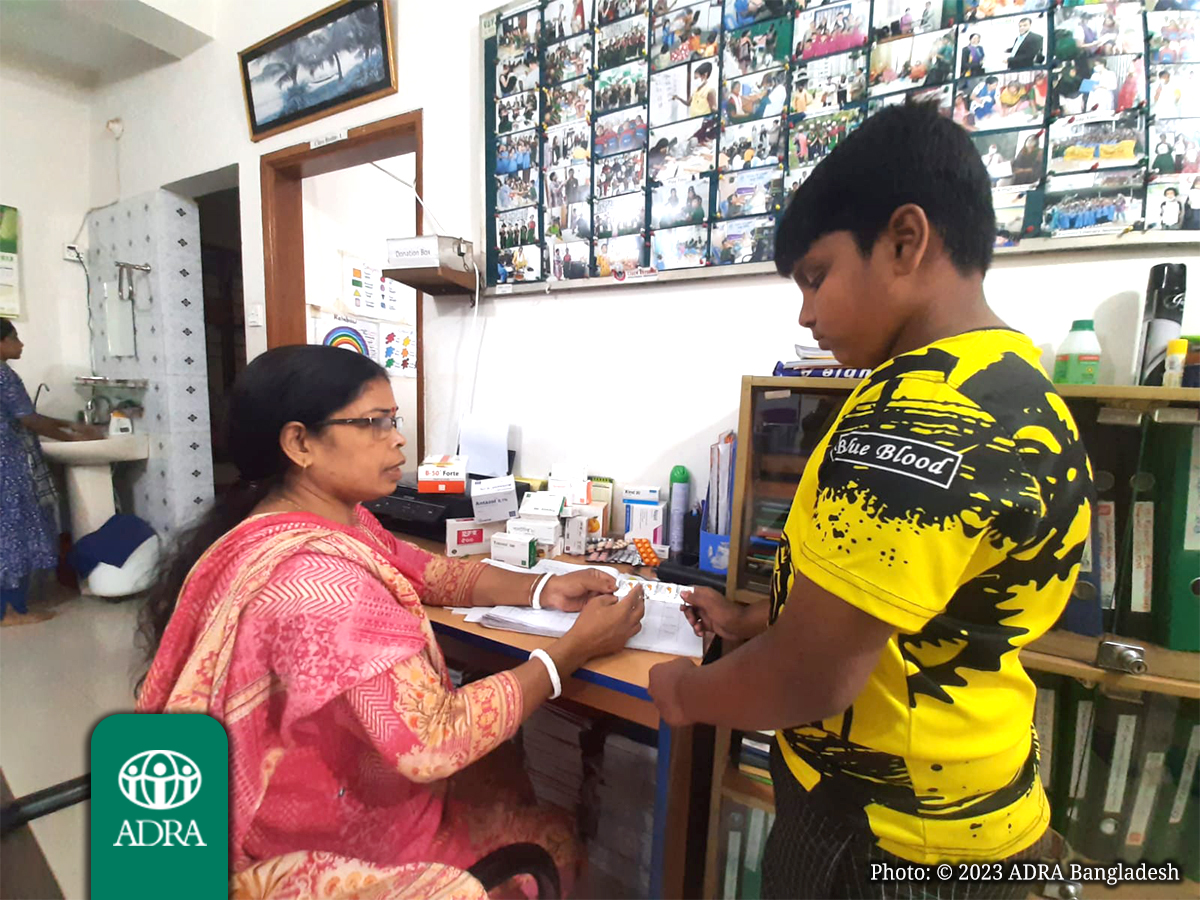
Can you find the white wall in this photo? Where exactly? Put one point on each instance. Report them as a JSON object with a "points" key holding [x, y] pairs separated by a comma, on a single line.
{"points": [[44, 164], [354, 211], [573, 370]]}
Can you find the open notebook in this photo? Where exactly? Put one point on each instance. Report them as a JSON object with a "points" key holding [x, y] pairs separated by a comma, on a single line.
{"points": [[665, 629]]}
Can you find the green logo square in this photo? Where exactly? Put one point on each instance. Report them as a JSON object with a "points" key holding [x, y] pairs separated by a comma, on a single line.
{"points": [[160, 807]]}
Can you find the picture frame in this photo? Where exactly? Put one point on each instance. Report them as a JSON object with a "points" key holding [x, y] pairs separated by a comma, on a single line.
{"points": [[340, 57]]}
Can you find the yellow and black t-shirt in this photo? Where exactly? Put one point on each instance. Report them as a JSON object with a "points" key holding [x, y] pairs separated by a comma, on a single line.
{"points": [[951, 500]]}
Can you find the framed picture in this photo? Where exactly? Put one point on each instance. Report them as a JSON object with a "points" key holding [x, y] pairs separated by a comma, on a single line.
{"points": [[334, 60]]}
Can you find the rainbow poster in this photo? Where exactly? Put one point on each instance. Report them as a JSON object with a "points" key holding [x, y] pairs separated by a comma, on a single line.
{"points": [[347, 332]]}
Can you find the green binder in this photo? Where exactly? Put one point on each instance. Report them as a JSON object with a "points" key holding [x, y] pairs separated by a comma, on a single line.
{"points": [[1175, 823], [1173, 457], [1099, 830], [1148, 792], [1072, 757]]}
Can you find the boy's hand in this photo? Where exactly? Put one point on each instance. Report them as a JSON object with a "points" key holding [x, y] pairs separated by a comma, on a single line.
{"points": [[708, 610], [665, 680]]}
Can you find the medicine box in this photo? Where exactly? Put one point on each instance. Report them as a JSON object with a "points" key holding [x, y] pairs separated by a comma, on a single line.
{"points": [[542, 505], [544, 531], [575, 535], [514, 549], [645, 520], [494, 499], [442, 475], [469, 536]]}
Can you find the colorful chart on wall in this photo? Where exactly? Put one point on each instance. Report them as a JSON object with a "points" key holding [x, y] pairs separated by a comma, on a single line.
{"points": [[346, 332], [10, 270], [366, 292], [631, 101], [398, 350]]}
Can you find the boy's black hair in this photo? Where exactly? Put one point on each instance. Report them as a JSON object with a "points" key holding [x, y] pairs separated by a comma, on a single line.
{"points": [[902, 154]]}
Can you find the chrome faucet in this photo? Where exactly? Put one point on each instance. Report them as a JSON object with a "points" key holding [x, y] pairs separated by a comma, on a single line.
{"points": [[91, 410]]}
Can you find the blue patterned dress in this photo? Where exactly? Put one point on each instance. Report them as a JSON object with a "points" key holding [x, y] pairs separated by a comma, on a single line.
{"points": [[27, 539]]}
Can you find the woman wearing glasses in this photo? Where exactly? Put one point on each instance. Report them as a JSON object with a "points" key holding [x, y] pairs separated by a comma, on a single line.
{"points": [[291, 616]]}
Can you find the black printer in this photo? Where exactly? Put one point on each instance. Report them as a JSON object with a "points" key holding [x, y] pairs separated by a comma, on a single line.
{"points": [[424, 515]]}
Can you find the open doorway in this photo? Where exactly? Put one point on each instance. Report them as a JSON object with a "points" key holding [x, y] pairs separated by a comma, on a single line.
{"points": [[224, 322]]}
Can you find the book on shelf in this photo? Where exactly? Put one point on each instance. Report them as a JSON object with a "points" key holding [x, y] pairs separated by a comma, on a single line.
{"points": [[787, 370]]}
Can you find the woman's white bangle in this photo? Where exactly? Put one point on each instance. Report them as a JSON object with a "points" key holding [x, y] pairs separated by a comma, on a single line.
{"points": [[536, 602], [551, 670]]}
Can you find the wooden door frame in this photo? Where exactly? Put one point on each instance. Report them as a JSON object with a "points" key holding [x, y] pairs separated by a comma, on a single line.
{"points": [[282, 173]]}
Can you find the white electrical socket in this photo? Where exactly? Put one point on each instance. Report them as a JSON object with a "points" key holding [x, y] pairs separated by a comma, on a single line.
{"points": [[71, 252]]}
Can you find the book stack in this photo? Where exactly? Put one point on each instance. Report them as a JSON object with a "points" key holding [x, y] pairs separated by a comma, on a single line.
{"points": [[769, 519], [813, 362], [754, 755]]}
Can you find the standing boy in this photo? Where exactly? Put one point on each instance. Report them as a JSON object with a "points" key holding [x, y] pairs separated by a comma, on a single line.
{"points": [[937, 529]]}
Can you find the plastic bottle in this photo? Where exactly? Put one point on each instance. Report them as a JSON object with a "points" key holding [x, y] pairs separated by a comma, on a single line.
{"points": [[1173, 369], [1078, 359], [680, 489]]}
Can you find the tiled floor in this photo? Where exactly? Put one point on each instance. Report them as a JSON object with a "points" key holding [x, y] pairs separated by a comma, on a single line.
{"points": [[57, 679]]}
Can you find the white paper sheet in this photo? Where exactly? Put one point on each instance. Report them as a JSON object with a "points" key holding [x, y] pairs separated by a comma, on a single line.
{"points": [[665, 629], [484, 442]]}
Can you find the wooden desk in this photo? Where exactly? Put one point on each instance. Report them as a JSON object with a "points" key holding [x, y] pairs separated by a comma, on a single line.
{"points": [[616, 685]]}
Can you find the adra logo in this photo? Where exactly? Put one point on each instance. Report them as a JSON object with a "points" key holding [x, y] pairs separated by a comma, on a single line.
{"points": [[160, 806]]}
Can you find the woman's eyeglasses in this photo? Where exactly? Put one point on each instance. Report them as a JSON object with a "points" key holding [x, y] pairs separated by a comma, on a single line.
{"points": [[381, 426]]}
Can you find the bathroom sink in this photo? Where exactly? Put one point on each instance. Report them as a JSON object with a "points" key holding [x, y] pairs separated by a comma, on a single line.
{"points": [[89, 476], [119, 448]]}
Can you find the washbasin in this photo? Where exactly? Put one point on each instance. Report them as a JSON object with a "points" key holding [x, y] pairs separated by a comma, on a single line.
{"points": [[119, 448], [88, 467]]}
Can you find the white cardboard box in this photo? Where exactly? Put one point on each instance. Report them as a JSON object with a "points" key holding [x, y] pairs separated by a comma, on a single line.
{"points": [[470, 536], [575, 534], [442, 475], [494, 499], [544, 531], [645, 520], [514, 549], [542, 505]]}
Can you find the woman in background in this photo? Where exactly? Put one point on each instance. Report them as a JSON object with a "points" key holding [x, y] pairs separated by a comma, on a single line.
{"points": [[28, 534], [294, 619]]}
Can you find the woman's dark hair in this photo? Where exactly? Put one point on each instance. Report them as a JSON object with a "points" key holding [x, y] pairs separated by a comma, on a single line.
{"points": [[7, 329], [302, 383]]}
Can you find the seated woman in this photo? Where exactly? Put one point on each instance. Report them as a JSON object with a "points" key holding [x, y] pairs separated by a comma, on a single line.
{"points": [[293, 618]]}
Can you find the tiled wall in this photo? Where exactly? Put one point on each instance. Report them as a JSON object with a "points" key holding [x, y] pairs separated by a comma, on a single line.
{"points": [[162, 229]]}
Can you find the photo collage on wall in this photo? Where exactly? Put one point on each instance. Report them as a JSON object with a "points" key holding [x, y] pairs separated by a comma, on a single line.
{"points": [[632, 137]]}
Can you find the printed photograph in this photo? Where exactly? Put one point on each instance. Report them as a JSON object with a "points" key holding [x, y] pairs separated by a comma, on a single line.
{"points": [[811, 140], [572, 222], [942, 96], [565, 18], [618, 255], [622, 87], [891, 19], [621, 132], [1173, 36], [1084, 143], [825, 85], [620, 43], [1172, 5], [1002, 45], [1001, 101], [974, 10], [1093, 202], [520, 264], [569, 59], [684, 92], [752, 144], [1009, 205], [743, 241], [1107, 84], [567, 260], [740, 13], [1175, 91], [684, 34], [755, 193], [617, 216], [516, 190], [609, 11], [517, 36], [517, 113], [517, 228], [1175, 146], [1173, 204], [620, 174], [795, 178], [569, 102], [568, 144], [1012, 157], [923, 60], [570, 184], [679, 203], [516, 152], [757, 96], [683, 149], [757, 47], [826, 30], [680, 248], [1114, 29]]}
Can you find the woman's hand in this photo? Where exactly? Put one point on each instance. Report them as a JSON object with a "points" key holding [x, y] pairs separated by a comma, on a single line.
{"points": [[570, 593], [606, 624], [81, 432]]}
